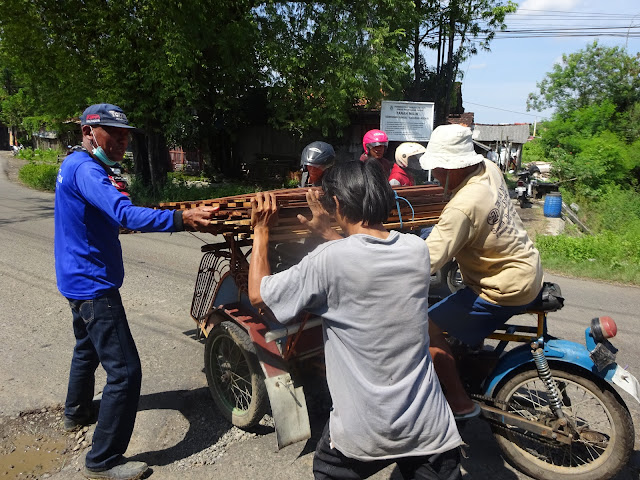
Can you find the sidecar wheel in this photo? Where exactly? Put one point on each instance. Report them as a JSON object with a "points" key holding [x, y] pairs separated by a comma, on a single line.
{"points": [[234, 375], [599, 414]]}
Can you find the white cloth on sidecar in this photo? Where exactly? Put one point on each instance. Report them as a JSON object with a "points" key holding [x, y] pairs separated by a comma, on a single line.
{"points": [[372, 295]]}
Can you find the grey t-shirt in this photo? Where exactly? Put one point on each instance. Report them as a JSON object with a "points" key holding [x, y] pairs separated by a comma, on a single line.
{"points": [[372, 295]]}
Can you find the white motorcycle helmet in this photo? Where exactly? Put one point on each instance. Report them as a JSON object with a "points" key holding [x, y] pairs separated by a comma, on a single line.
{"points": [[408, 154]]}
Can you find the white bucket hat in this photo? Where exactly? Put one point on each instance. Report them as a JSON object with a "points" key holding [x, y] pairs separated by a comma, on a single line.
{"points": [[450, 147]]}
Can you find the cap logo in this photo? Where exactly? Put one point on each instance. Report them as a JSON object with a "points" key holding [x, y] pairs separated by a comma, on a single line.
{"points": [[93, 118], [118, 116]]}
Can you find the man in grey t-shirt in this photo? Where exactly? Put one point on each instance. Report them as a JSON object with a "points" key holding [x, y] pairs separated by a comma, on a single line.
{"points": [[371, 291]]}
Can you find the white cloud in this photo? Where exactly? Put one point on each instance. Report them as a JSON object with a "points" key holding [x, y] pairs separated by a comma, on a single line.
{"points": [[558, 5], [477, 66]]}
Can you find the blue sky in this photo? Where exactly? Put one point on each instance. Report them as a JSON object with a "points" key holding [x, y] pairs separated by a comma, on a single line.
{"points": [[505, 76]]}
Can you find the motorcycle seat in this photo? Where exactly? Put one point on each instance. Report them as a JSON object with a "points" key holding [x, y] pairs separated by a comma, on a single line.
{"points": [[550, 299]]}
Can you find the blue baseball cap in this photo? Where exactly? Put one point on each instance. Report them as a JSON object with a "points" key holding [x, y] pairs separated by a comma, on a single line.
{"points": [[105, 114]]}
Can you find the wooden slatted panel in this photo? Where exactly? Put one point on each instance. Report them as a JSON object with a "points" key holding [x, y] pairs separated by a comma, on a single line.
{"points": [[420, 206]]}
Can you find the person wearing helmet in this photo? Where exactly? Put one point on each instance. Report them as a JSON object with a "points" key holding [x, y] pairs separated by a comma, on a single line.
{"points": [[375, 143], [407, 157], [500, 266], [315, 159]]}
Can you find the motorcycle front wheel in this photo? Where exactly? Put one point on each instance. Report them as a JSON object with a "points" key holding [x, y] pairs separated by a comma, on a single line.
{"points": [[605, 429]]}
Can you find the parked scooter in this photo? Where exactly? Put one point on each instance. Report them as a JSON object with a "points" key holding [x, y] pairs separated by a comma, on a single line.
{"points": [[118, 181], [114, 172], [15, 149], [526, 184]]}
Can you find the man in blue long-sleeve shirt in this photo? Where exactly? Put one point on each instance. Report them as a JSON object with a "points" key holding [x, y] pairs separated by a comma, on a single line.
{"points": [[89, 211]]}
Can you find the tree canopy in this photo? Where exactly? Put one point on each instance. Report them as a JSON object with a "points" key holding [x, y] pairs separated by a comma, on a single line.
{"points": [[589, 77], [190, 72], [593, 138]]}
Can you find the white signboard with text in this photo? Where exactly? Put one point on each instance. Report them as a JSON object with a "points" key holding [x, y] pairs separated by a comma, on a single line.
{"points": [[407, 121]]}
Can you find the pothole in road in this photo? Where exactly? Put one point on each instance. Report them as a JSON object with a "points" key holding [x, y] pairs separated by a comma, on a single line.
{"points": [[33, 444]]}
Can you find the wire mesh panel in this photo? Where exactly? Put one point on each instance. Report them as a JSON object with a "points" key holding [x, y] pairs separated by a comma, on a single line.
{"points": [[212, 267]]}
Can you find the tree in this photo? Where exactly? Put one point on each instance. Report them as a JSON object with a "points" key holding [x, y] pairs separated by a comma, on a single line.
{"points": [[456, 30], [176, 67], [190, 73], [322, 58], [589, 77]]}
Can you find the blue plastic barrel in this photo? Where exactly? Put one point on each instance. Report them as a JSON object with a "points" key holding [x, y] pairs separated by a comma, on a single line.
{"points": [[553, 205]]}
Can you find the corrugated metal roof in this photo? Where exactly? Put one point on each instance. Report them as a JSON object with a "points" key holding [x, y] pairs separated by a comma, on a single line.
{"points": [[517, 133]]}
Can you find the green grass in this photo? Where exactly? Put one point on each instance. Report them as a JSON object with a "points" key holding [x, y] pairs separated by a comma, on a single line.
{"points": [[612, 253], [41, 171], [606, 256], [39, 156], [39, 176]]}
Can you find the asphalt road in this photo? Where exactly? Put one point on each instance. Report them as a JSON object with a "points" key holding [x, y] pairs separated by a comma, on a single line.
{"points": [[178, 431]]}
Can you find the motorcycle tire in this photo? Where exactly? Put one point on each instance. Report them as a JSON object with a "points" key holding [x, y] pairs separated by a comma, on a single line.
{"points": [[453, 276], [522, 200], [235, 379], [599, 414]]}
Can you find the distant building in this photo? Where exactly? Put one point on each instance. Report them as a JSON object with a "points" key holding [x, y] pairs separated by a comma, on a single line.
{"points": [[503, 142]]}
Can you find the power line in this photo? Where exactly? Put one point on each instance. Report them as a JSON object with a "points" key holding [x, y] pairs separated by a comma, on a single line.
{"points": [[529, 23], [502, 109]]}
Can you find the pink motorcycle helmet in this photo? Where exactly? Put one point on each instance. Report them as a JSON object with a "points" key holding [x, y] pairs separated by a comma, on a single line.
{"points": [[373, 138]]}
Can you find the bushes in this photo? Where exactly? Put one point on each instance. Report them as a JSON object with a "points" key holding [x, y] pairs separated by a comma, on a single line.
{"points": [[41, 171], [39, 176], [182, 191], [40, 156], [613, 253]]}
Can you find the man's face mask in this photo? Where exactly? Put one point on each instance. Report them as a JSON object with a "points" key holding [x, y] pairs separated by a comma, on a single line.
{"points": [[100, 154]]}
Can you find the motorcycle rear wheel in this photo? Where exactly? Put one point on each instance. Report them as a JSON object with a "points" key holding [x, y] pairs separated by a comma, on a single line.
{"points": [[522, 200], [595, 409]]}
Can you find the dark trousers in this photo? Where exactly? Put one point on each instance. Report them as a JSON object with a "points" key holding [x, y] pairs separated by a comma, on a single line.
{"points": [[103, 337], [330, 464]]}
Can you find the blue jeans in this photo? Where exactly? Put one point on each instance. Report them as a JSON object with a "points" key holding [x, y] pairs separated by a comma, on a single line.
{"points": [[471, 319], [103, 337]]}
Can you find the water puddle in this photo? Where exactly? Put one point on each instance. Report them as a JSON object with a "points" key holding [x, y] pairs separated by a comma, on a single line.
{"points": [[33, 456]]}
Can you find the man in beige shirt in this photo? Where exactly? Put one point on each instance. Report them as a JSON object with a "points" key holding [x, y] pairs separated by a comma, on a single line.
{"points": [[498, 262]]}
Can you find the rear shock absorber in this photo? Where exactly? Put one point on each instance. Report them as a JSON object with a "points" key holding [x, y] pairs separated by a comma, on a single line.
{"points": [[544, 372]]}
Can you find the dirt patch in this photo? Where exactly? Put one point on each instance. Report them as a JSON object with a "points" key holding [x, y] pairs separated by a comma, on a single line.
{"points": [[11, 165], [533, 219], [34, 445]]}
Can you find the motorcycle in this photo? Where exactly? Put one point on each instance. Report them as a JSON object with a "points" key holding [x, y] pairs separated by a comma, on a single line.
{"points": [[117, 180], [15, 149], [525, 185], [114, 172], [551, 403]]}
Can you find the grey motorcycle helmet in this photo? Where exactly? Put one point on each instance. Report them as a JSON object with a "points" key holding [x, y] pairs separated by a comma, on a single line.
{"points": [[317, 154]]}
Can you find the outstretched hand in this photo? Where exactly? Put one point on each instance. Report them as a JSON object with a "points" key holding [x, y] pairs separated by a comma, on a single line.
{"points": [[264, 210], [320, 224], [198, 218]]}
